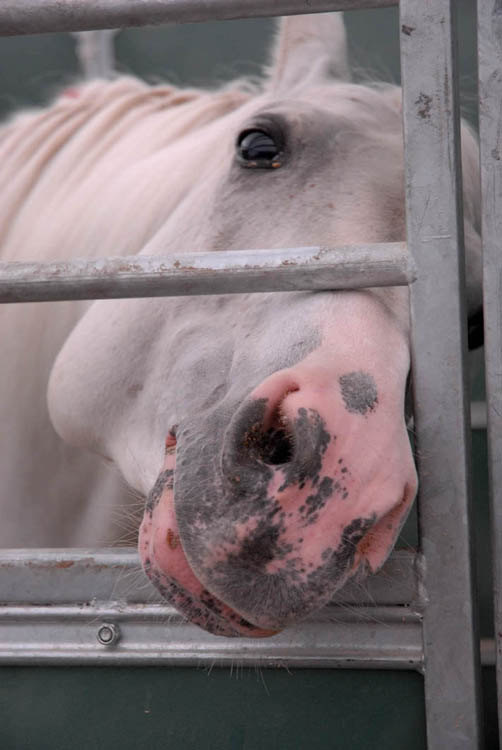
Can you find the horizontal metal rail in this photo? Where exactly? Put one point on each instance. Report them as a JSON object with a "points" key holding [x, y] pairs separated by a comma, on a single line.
{"points": [[35, 576], [90, 607], [96, 607], [41, 16], [109, 633], [229, 272]]}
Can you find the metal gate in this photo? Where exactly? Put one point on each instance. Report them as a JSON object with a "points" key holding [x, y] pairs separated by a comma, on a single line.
{"points": [[425, 619]]}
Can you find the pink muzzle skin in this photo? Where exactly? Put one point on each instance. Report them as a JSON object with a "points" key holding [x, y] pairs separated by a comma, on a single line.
{"points": [[166, 565], [368, 457], [368, 468]]}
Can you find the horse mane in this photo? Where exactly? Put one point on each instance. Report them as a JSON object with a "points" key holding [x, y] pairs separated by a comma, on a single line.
{"points": [[102, 149], [96, 126]]}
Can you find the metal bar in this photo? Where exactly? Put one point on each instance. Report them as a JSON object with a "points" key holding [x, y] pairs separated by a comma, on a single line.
{"points": [[92, 592], [74, 576], [41, 16], [478, 415], [110, 633], [95, 51], [435, 239], [490, 117], [209, 273], [142, 634]]}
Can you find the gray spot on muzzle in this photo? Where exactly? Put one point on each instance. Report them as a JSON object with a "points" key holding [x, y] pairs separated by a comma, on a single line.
{"points": [[359, 392]]}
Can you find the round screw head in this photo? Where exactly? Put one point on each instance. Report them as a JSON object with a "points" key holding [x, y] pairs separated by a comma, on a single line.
{"points": [[108, 634]]}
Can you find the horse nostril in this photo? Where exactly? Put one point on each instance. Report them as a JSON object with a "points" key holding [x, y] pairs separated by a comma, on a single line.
{"points": [[272, 441], [260, 433], [276, 447], [278, 444]]}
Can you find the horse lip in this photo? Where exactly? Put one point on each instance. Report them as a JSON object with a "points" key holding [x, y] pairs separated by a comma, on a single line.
{"points": [[220, 623], [258, 632], [219, 619]]}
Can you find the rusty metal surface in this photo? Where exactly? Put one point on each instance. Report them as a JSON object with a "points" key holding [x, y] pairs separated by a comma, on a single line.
{"points": [[42, 16], [227, 272]]}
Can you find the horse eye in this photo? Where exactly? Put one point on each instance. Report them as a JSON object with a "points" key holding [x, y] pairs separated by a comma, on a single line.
{"points": [[256, 148]]}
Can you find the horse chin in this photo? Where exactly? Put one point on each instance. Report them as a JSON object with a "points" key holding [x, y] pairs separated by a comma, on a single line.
{"points": [[166, 565]]}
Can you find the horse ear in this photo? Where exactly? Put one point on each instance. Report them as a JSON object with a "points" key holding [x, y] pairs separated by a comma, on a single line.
{"points": [[309, 48]]}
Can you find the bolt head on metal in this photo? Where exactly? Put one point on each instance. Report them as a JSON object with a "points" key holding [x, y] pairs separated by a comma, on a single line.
{"points": [[108, 634]]}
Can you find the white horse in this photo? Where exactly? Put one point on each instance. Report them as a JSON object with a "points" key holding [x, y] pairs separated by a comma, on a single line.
{"points": [[267, 431]]}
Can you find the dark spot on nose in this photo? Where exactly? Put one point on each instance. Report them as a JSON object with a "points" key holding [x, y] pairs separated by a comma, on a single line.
{"points": [[359, 392], [259, 548]]}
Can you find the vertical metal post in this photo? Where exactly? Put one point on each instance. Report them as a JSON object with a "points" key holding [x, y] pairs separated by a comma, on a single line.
{"points": [[490, 124], [96, 52], [435, 239]]}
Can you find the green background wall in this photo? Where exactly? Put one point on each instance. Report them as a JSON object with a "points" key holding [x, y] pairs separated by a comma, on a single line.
{"points": [[98, 708]]}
